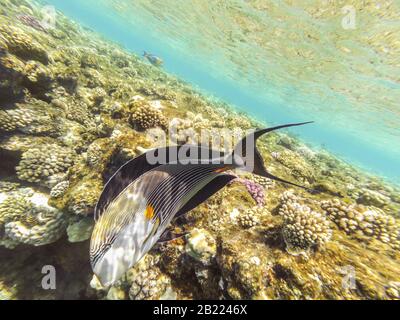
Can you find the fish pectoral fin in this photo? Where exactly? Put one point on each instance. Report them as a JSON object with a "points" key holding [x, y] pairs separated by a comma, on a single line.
{"points": [[170, 235], [206, 192]]}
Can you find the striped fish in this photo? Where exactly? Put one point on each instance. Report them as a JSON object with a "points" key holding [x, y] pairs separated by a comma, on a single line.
{"points": [[142, 198]]}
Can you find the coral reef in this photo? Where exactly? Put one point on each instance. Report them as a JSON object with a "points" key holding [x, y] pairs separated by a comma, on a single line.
{"points": [[10, 120], [201, 246], [74, 108], [372, 198], [367, 221], [22, 45], [264, 182], [31, 117], [46, 164], [255, 190], [145, 117], [148, 284], [31, 21], [83, 198], [303, 228], [59, 189], [298, 167], [27, 218], [250, 218]]}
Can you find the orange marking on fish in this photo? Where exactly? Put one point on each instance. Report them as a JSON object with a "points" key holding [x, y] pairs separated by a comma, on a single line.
{"points": [[149, 213], [221, 169]]}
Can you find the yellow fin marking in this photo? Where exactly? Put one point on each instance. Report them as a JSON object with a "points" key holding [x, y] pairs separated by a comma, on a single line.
{"points": [[149, 213]]}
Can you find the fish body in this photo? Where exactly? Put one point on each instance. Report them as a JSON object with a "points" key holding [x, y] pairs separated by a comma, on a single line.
{"points": [[153, 59], [142, 198]]}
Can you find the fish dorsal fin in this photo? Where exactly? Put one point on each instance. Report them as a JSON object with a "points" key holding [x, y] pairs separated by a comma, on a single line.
{"points": [[129, 172], [255, 164], [206, 192], [136, 167]]}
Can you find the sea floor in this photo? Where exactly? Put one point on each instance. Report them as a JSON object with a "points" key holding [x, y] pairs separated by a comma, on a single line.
{"points": [[75, 107]]}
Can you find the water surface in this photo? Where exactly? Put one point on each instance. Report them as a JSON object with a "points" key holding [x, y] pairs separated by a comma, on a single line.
{"points": [[279, 61]]}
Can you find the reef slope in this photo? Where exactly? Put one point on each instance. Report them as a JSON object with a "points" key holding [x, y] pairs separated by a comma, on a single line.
{"points": [[74, 107]]}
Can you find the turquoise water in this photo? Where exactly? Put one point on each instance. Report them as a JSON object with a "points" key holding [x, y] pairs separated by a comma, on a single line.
{"points": [[358, 119]]}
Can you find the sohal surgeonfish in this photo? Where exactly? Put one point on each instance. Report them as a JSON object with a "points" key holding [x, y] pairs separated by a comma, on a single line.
{"points": [[142, 198]]}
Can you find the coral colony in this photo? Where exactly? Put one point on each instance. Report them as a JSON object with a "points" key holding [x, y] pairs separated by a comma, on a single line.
{"points": [[74, 108]]}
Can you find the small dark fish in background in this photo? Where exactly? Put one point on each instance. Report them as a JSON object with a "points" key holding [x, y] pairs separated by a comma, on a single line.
{"points": [[141, 199], [153, 59], [31, 21]]}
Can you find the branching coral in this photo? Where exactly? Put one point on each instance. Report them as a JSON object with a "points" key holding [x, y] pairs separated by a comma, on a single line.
{"points": [[264, 182], [145, 117], [30, 117], [45, 164], [6, 186], [288, 197], [147, 282], [12, 206], [26, 217], [256, 191], [303, 228], [368, 221], [250, 218], [79, 112], [10, 120], [59, 189], [22, 45], [94, 154]]}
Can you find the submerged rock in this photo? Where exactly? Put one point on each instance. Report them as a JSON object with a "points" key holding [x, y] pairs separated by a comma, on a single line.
{"points": [[201, 246], [373, 198], [80, 230]]}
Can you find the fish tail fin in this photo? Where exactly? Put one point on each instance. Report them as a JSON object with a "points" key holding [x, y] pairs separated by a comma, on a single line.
{"points": [[145, 54], [246, 155]]}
